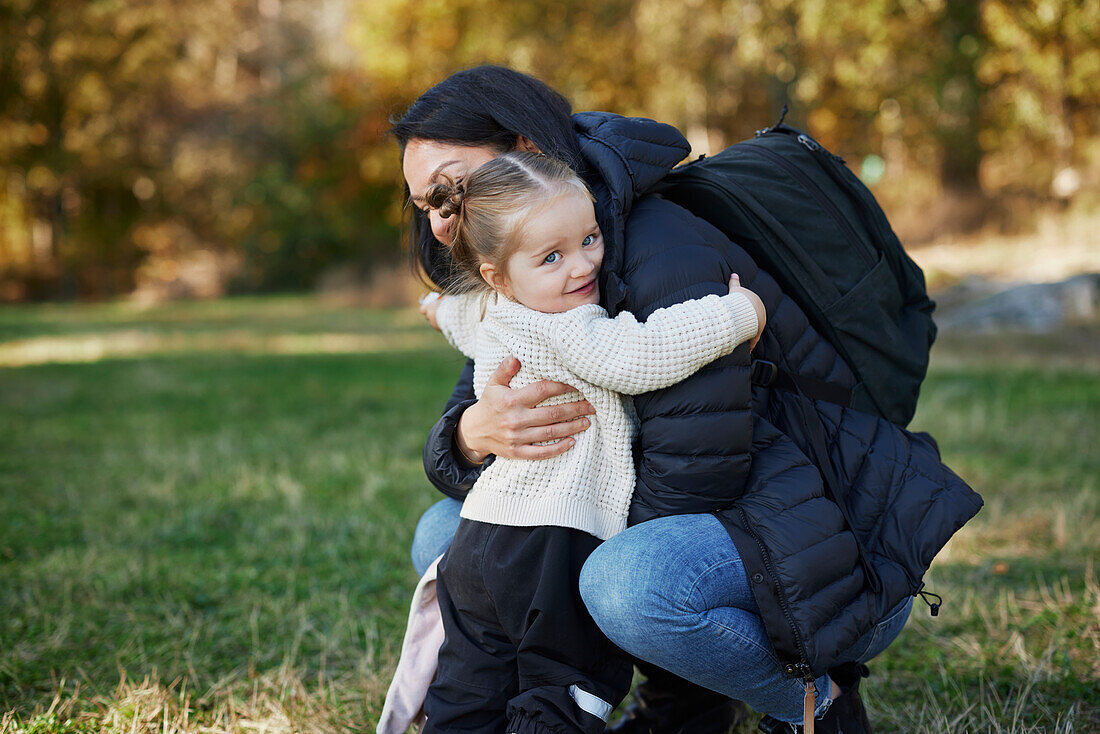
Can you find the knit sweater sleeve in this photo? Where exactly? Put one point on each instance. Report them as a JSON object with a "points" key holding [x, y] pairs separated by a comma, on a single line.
{"points": [[458, 317], [631, 357]]}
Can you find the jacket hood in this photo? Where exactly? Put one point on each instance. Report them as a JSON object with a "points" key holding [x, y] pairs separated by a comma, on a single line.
{"points": [[624, 157]]}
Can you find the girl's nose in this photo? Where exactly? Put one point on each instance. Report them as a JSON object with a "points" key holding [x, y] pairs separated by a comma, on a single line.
{"points": [[585, 266], [441, 227]]}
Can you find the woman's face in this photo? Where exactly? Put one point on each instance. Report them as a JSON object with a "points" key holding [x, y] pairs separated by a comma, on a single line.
{"points": [[424, 158]]}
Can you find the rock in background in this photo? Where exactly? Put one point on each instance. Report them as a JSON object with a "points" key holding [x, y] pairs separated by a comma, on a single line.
{"points": [[978, 305]]}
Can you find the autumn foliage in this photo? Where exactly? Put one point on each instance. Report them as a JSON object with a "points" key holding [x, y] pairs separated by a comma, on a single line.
{"points": [[195, 147]]}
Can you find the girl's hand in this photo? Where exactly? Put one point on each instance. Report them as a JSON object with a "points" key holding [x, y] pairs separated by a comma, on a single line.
{"points": [[429, 304], [757, 304], [506, 422]]}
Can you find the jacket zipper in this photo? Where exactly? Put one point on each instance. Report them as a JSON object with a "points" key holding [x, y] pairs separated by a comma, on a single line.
{"points": [[819, 196], [802, 667]]}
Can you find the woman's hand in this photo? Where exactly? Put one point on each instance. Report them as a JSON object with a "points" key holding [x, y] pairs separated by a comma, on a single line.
{"points": [[506, 422], [757, 305]]}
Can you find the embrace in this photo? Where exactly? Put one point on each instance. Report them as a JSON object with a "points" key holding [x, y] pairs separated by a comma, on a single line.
{"points": [[629, 483]]}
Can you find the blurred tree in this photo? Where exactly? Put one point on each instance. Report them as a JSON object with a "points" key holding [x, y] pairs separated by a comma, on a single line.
{"points": [[138, 137], [310, 200], [958, 93], [1042, 71], [96, 100], [308, 205]]}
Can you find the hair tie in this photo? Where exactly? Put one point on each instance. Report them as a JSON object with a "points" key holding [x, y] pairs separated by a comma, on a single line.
{"points": [[445, 196], [453, 203]]}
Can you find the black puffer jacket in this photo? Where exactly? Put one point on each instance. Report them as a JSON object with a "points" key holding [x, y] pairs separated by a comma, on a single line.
{"points": [[820, 584]]}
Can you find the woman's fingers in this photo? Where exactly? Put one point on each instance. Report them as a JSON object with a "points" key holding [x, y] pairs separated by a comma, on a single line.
{"points": [[551, 432], [506, 422], [536, 392], [536, 453], [546, 415], [504, 372]]}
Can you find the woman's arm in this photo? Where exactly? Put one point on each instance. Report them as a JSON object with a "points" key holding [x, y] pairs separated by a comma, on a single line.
{"points": [[695, 437], [446, 470], [504, 422]]}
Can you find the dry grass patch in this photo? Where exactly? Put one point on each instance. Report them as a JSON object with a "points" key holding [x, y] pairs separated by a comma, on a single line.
{"points": [[280, 702]]}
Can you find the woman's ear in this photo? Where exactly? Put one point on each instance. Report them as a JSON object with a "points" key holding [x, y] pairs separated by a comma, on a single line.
{"points": [[495, 278], [524, 145]]}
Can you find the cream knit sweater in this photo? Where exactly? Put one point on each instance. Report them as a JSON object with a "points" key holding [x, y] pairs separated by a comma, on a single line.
{"points": [[588, 487]]}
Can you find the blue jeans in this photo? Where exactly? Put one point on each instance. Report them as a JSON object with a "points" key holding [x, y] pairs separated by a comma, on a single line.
{"points": [[673, 591], [434, 533]]}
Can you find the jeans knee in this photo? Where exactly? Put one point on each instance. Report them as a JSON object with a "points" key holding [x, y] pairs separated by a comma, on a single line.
{"points": [[589, 583], [434, 533], [611, 595]]}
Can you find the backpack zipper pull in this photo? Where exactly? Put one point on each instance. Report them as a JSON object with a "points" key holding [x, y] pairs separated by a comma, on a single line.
{"points": [[809, 142], [816, 147]]}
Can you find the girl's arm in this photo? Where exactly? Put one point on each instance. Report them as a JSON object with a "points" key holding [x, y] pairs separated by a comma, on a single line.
{"points": [[457, 317], [626, 356]]}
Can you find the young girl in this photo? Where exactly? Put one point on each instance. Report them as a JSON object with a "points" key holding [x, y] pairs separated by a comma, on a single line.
{"points": [[521, 653]]}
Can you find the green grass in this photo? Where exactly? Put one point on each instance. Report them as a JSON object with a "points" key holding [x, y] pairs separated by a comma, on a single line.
{"points": [[207, 529], [1017, 644]]}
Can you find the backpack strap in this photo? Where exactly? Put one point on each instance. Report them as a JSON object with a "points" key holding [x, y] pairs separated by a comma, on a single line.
{"points": [[807, 389], [833, 487], [793, 256], [768, 374]]}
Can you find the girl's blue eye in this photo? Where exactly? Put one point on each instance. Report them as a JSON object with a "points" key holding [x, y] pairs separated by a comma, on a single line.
{"points": [[552, 258], [589, 240]]}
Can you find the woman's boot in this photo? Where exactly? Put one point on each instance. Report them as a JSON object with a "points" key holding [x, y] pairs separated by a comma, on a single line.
{"points": [[846, 715], [667, 704]]}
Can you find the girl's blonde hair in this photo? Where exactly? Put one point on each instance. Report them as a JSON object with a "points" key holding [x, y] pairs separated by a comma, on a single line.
{"points": [[490, 208]]}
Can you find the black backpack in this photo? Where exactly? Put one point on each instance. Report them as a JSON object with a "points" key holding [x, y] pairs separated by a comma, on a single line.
{"points": [[813, 226]]}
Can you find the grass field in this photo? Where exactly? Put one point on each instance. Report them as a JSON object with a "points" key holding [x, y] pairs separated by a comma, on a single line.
{"points": [[205, 511]]}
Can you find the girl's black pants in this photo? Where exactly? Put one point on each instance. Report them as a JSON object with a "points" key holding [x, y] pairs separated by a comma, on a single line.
{"points": [[521, 655]]}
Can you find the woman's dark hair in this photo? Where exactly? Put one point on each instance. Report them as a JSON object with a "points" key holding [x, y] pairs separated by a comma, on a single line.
{"points": [[485, 105]]}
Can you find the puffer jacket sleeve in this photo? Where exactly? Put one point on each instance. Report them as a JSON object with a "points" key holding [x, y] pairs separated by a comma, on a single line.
{"points": [[695, 437], [447, 471]]}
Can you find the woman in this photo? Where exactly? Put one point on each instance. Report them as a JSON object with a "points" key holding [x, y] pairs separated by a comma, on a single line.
{"points": [[737, 574]]}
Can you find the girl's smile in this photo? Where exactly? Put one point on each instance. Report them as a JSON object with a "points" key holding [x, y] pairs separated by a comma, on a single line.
{"points": [[585, 289]]}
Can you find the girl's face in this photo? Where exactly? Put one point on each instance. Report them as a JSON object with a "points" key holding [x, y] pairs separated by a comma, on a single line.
{"points": [[423, 159], [554, 268]]}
